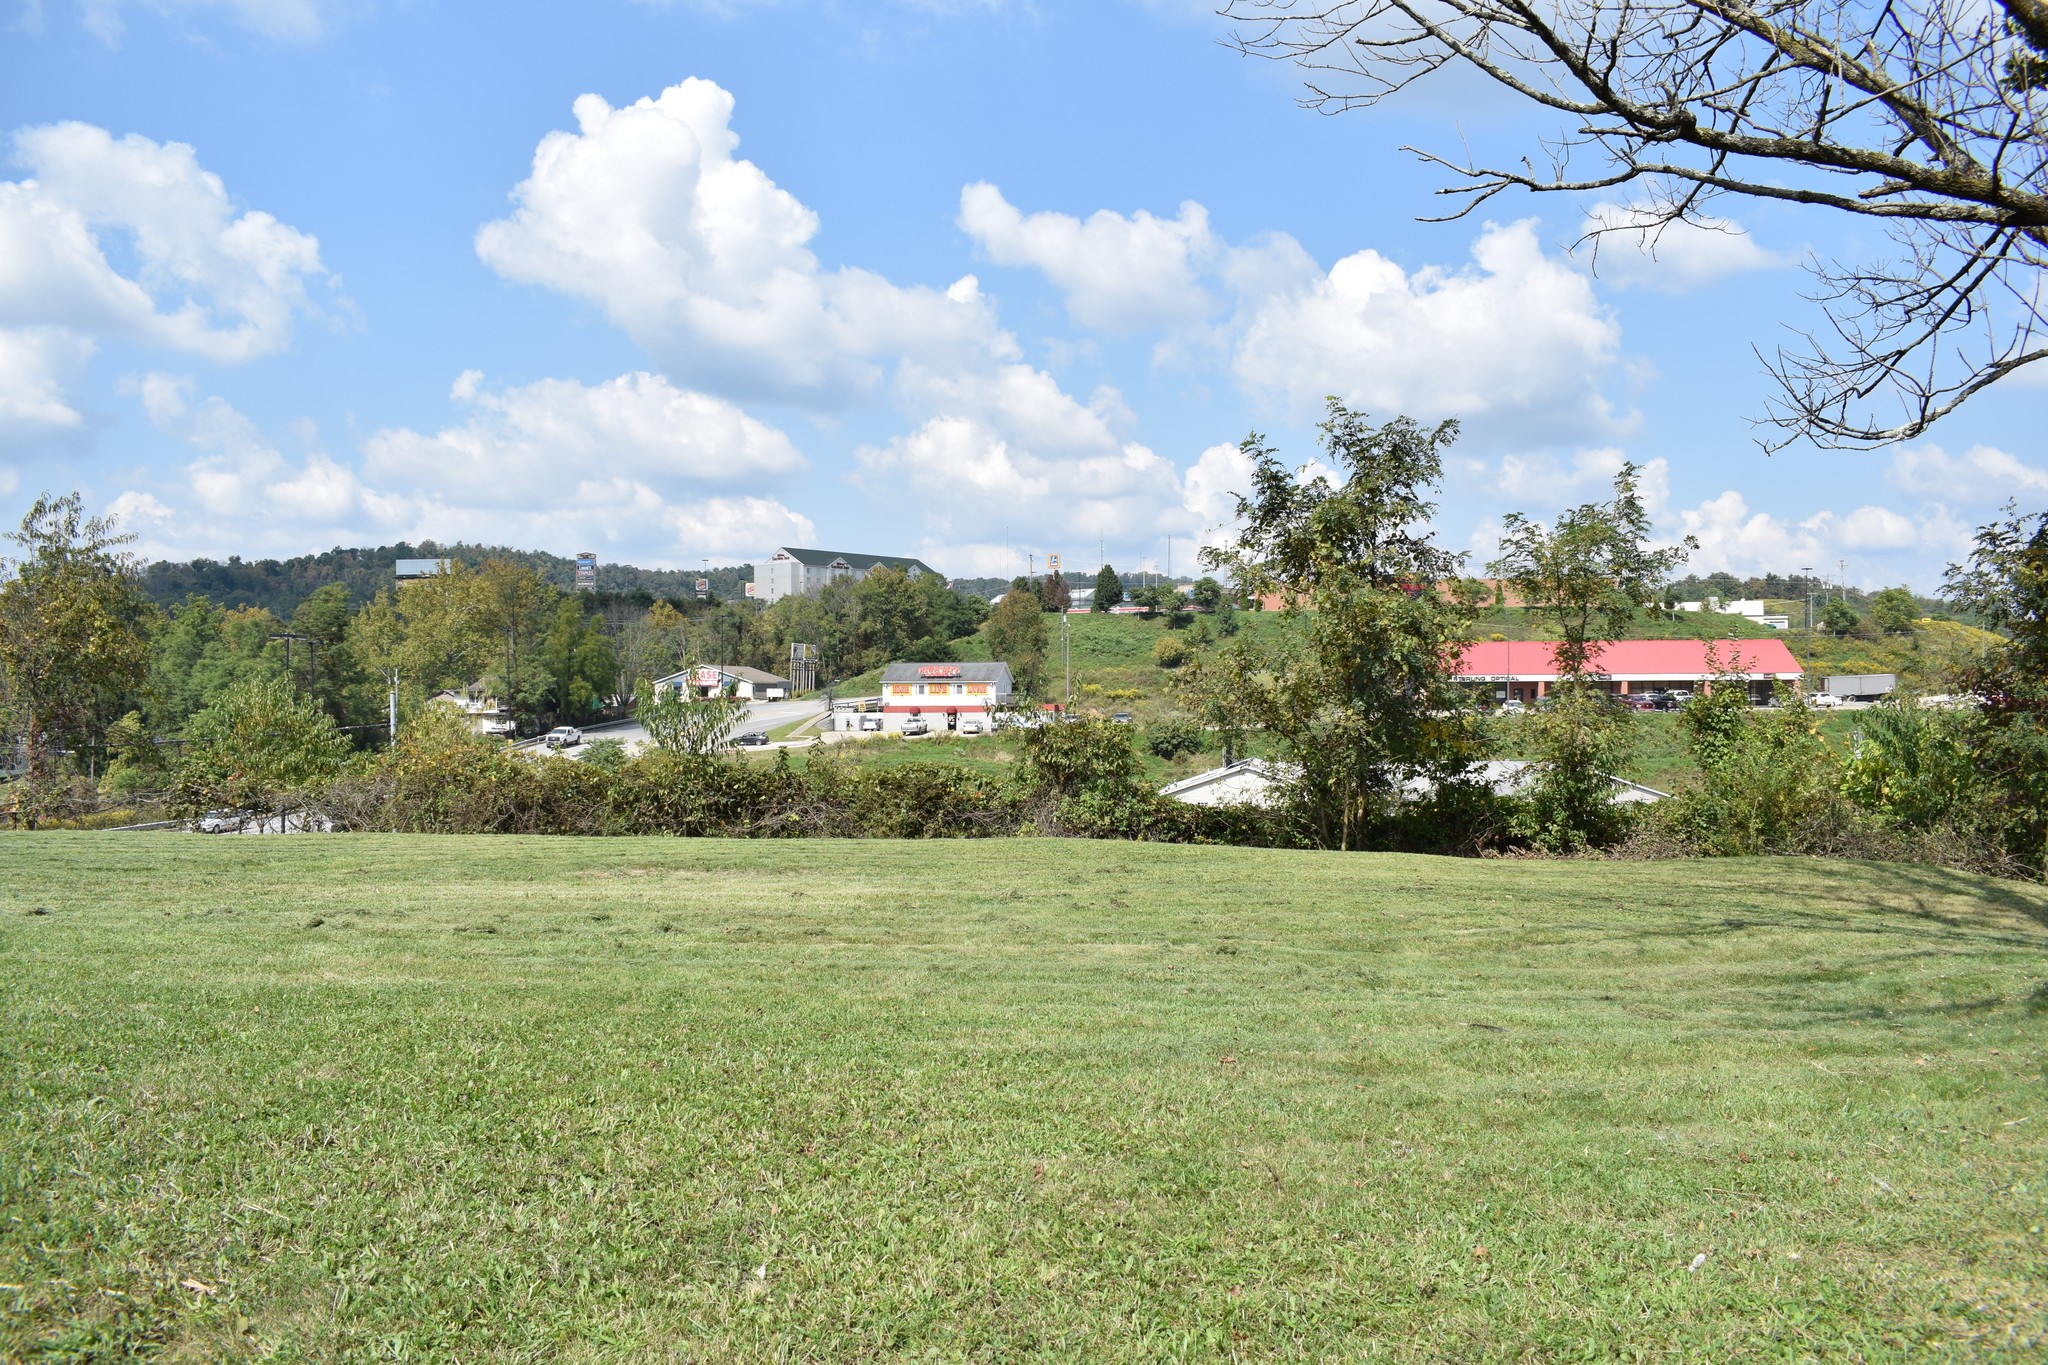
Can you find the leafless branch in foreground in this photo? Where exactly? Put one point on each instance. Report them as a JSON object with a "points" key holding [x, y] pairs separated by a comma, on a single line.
{"points": [[1924, 114]]}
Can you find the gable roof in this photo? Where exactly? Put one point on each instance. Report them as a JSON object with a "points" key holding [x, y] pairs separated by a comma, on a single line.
{"points": [[969, 672], [825, 559], [1633, 658], [739, 671]]}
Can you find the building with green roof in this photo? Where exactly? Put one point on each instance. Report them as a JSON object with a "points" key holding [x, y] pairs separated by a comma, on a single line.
{"points": [[791, 571]]}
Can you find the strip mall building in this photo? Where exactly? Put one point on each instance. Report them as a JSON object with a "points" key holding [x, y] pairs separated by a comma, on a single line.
{"points": [[1523, 670], [944, 694]]}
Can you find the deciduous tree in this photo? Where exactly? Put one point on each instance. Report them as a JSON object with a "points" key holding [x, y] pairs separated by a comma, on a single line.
{"points": [[1016, 635], [1894, 611], [1358, 688], [2005, 583], [1590, 573], [71, 631]]}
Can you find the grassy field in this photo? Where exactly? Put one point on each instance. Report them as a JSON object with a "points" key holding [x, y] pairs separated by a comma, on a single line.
{"points": [[561, 1100]]}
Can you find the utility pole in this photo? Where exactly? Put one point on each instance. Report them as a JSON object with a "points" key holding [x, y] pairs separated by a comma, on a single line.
{"points": [[1808, 571], [288, 636], [392, 678], [1842, 577]]}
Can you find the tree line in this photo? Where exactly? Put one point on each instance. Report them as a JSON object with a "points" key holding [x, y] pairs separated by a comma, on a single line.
{"points": [[104, 686]]}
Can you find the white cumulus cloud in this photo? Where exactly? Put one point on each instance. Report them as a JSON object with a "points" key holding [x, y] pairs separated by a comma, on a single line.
{"points": [[703, 260], [522, 442], [1877, 528], [1521, 333], [618, 465], [201, 275], [1980, 475], [1627, 248], [1119, 274]]}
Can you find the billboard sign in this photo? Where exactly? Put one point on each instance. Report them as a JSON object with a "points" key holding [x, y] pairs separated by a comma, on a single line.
{"points": [[939, 671], [586, 571], [703, 588]]}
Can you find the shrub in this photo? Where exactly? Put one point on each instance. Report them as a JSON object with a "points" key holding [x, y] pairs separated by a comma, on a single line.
{"points": [[1170, 651], [1767, 778], [607, 755], [1174, 736], [1916, 767], [1079, 756], [259, 745], [1580, 739]]}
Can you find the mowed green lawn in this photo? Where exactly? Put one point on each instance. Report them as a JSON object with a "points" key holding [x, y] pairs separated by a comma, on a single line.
{"points": [[498, 1099]]}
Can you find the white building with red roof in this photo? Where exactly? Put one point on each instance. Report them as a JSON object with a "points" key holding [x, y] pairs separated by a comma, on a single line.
{"points": [[1523, 670]]}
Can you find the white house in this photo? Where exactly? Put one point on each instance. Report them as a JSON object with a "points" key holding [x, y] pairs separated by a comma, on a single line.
{"points": [[477, 706], [1256, 782]]}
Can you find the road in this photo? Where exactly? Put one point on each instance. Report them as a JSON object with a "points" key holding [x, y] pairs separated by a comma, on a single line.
{"points": [[761, 715]]}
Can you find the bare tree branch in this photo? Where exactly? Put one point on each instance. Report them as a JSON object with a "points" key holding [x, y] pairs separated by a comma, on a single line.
{"points": [[1925, 114]]}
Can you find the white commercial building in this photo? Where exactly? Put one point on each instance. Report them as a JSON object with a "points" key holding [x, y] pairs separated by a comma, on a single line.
{"points": [[791, 572], [943, 695], [727, 680]]}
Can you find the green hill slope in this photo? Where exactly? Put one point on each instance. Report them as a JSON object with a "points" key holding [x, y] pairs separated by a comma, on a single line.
{"points": [[365, 1097]]}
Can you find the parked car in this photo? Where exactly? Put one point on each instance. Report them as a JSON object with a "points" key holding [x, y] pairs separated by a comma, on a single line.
{"points": [[916, 726], [1512, 708], [970, 727], [563, 737], [1640, 703], [1121, 718], [220, 822], [752, 737], [871, 722]]}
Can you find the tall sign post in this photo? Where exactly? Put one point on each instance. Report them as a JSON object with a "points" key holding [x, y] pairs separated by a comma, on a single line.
{"points": [[586, 571]]}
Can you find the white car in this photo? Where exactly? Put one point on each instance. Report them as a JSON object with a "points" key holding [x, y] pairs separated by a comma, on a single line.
{"points": [[970, 727], [563, 737], [916, 726], [1826, 701]]}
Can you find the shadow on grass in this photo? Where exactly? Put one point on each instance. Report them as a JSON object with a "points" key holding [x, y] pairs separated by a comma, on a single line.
{"points": [[1888, 900], [2021, 898]]}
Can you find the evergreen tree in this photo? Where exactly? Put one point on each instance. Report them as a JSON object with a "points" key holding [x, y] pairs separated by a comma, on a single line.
{"points": [[1109, 589]]}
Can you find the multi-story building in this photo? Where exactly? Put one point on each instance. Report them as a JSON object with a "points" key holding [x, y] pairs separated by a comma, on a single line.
{"points": [[790, 571]]}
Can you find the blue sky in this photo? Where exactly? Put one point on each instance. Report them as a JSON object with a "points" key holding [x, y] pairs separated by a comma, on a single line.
{"points": [[969, 280]]}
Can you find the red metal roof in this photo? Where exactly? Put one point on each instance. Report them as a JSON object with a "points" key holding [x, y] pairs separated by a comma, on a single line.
{"points": [[1632, 658]]}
